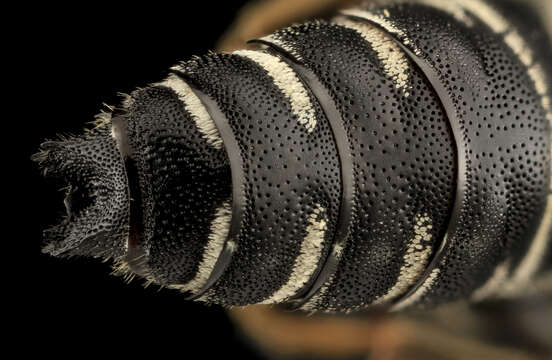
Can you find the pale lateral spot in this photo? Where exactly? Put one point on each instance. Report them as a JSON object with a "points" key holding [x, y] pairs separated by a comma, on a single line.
{"points": [[315, 302], [195, 107], [450, 7], [288, 83], [338, 250], [514, 40], [395, 63], [415, 260], [219, 229], [537, 75], [307, 261], [493, 284], [530, 264]]}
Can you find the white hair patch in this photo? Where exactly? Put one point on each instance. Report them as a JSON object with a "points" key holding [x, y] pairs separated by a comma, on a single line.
{"points": [[461, 10], [382, 21], [420, 292], [499, 24], [308, 259], [415, 259], [195, 107], [395, 63], [220, 227], [313, 303], [289, 84]]}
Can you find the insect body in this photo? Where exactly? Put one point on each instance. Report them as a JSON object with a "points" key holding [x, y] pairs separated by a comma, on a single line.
{"points": [[393, 156]]}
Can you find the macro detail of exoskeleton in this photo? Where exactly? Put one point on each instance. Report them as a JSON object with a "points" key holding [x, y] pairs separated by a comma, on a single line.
{"points": [[396, 155]]}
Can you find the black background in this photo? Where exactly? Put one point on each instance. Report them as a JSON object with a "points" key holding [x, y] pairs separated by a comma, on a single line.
{"points": [[71, 60]]}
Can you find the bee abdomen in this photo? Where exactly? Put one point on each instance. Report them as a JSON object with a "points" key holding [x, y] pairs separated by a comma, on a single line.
{"points": [[392, 156]]}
